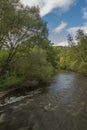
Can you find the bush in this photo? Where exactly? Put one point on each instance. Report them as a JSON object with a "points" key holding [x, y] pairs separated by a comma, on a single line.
{"points": [[83, 67], [74, 65], [33, 66], [9, 81], [62, 63]]}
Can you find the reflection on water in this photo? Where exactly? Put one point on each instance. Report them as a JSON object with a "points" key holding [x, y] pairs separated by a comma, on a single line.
{"points": [[63, 81], [60, 106]]}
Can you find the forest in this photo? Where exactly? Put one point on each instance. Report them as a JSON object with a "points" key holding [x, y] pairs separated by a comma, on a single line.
{"points": [[74, 56], [27, 56]]}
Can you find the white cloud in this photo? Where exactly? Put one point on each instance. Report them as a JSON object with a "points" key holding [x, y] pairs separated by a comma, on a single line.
{"points": [[46, 6], [60, 27], [49, 5], [30, 2], [73, 30], [85, 15], [63, 43]]}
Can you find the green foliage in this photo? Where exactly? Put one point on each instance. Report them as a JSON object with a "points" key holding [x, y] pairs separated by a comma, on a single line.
{"points": [[62, 63], [3, 55], [28, 68], [9, 81], [21, 24], [73, 57], [33, 65], [24, 46], [74, 65], [83, 67]]}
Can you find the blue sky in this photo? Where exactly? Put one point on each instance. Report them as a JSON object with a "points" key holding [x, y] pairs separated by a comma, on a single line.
{"points": [[62, 17]]}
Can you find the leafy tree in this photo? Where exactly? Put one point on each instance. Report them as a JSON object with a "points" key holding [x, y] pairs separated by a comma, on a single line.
{"points": [[23, 23], [33, 66], [79, 35]]}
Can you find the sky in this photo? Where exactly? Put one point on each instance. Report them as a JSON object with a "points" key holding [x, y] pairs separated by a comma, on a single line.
{"points": [[62, 17]]}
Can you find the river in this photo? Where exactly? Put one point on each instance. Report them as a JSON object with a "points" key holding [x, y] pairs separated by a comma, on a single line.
{"points": [[62, 105]]}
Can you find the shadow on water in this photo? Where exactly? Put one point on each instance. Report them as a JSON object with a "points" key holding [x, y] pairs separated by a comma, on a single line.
{"points": [[62, 105]]}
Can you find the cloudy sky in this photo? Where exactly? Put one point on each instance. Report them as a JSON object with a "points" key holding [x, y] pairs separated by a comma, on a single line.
{"points": [[62, 17]]}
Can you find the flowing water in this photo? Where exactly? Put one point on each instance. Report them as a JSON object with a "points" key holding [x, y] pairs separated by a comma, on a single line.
{"points": [[62, 105]]}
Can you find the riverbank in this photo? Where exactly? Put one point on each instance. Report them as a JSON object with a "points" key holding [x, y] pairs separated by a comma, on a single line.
{"points": [[22, 90]]}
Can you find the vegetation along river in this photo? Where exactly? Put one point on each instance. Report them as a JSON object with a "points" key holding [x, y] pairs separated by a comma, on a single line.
{"points": [[62, 105]]}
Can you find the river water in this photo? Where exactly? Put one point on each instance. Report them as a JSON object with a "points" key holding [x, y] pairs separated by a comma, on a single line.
{"points": [[62, 105]]}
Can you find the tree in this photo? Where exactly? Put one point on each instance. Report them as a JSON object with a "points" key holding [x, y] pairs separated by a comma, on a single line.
{"points": [[70, 40], [79, 35], [33, 65], [21, 24]]}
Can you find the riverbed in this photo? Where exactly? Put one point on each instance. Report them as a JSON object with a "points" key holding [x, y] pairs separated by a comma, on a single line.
{"points": [[62, 105]]}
